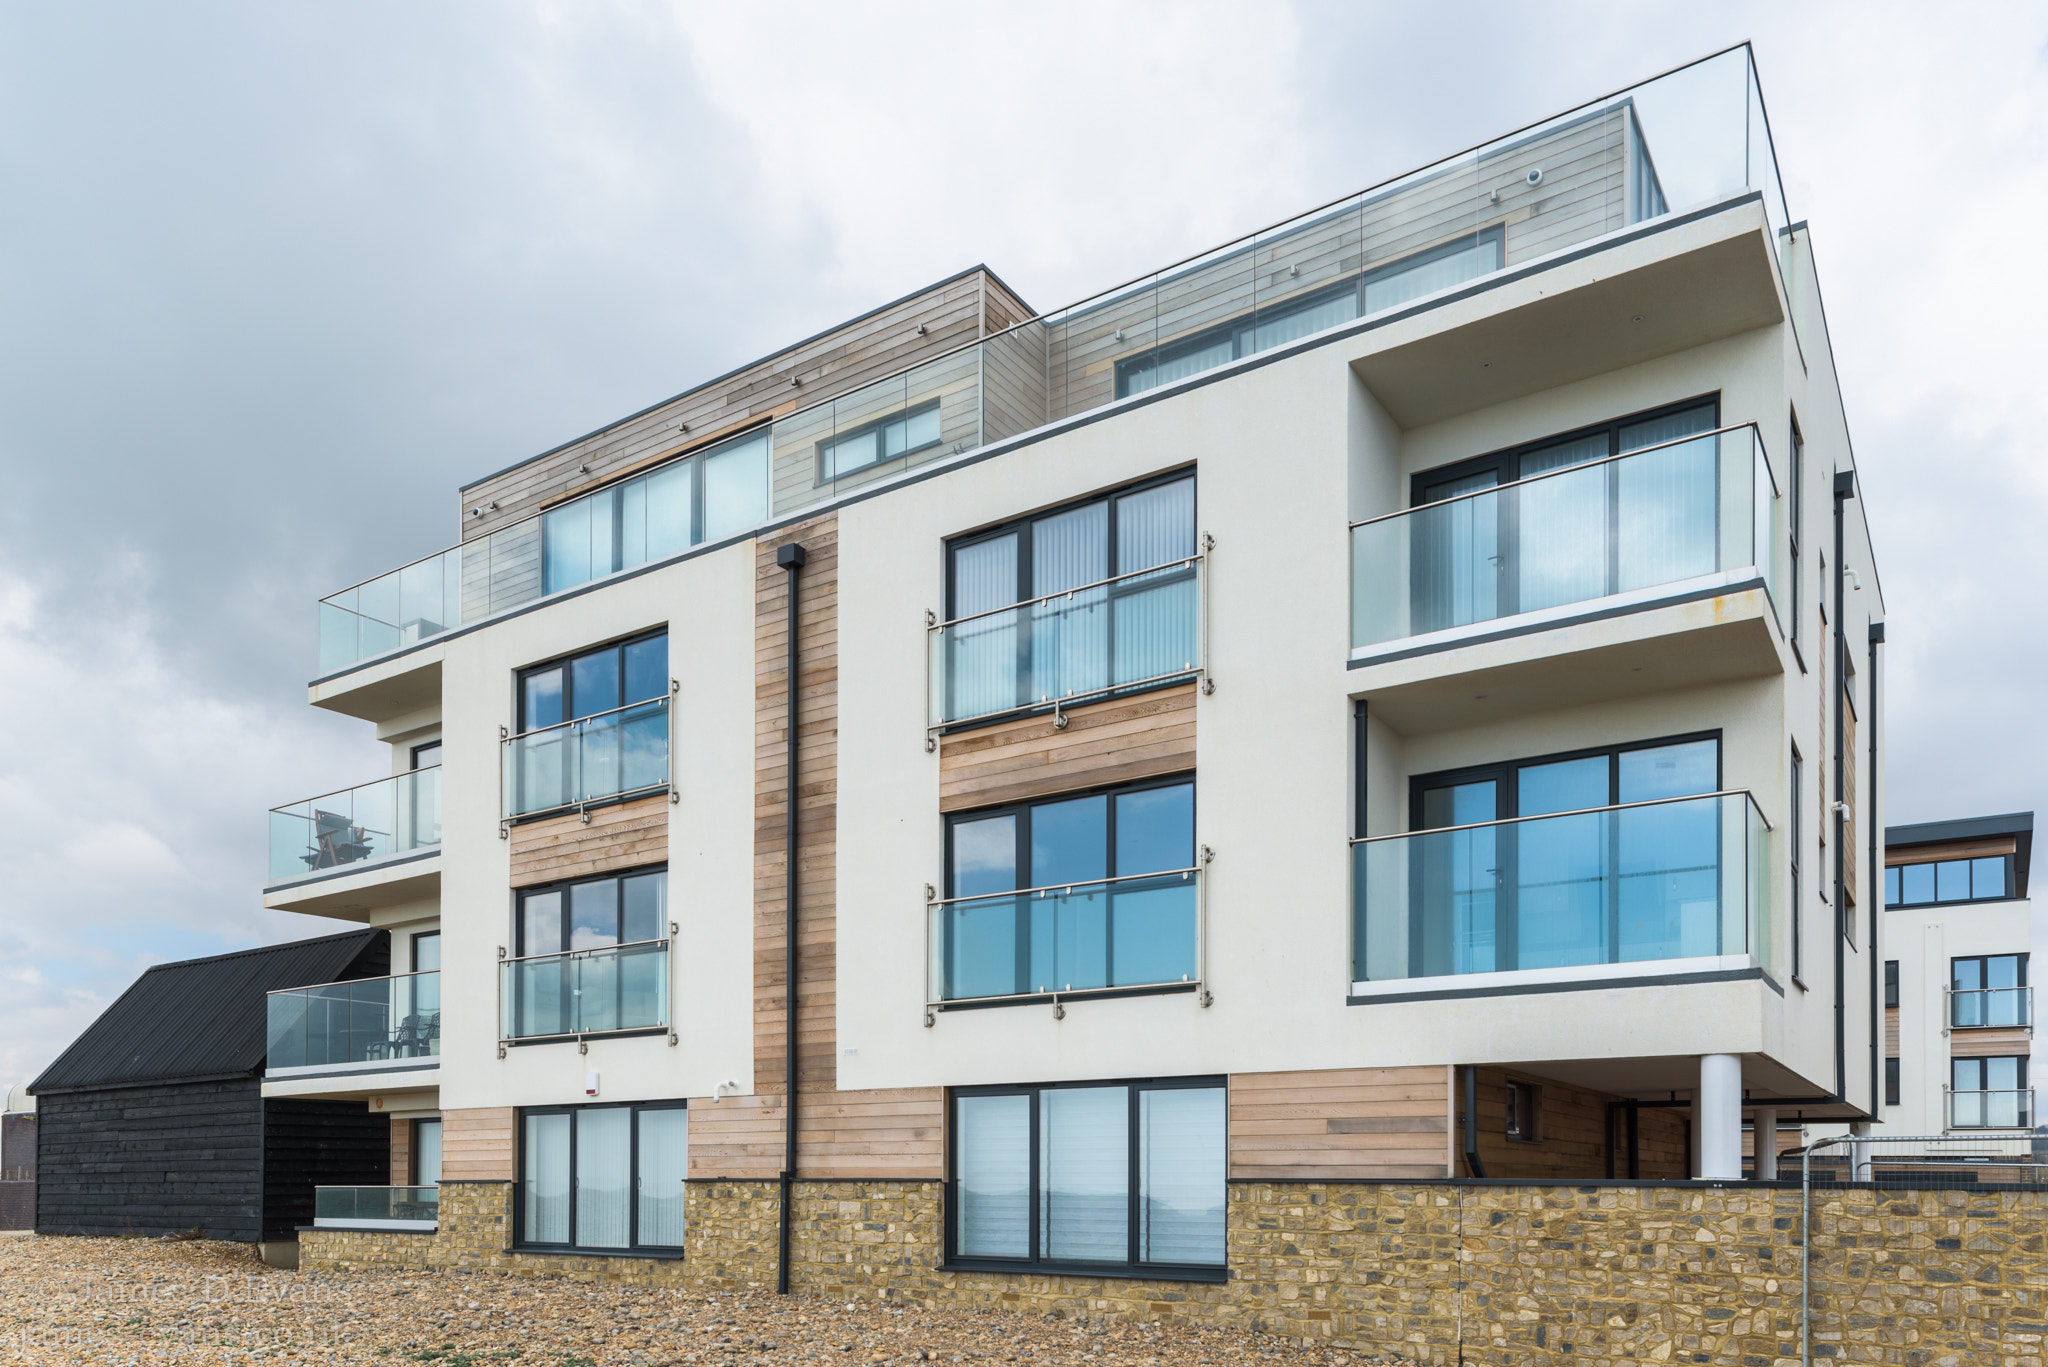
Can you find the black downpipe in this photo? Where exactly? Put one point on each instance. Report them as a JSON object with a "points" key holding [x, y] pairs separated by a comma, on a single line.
{"points": [[791, 558], [1845, 489], [1472, 1123], [1876, 888]]}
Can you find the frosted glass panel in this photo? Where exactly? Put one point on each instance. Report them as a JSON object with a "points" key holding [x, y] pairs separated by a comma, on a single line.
{"points": [[1180, 1175], [1084, 1165], [664, 1163], [604, 1163], [992, 1139], [546, 1179]]}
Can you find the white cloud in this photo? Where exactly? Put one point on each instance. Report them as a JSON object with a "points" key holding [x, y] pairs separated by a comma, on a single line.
{"points": [[131, 812]]}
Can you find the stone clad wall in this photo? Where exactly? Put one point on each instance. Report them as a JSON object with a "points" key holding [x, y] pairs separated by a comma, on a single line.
{"points": [[1447, 1273]]}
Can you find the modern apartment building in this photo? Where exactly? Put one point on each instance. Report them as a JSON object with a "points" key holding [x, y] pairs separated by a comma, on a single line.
{"points": [[954, 805], [1959, 1006]]}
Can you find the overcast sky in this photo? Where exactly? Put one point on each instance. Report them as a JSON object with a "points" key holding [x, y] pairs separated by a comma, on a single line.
{"points": [[276, 279]]}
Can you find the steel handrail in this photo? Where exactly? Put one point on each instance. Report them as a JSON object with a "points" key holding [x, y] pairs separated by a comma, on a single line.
{"points": [[589, 952], [350, 982], [1062, 887], [1751, 427], [662, 698], [388, 778], [1181, 563], [1582, 811]]}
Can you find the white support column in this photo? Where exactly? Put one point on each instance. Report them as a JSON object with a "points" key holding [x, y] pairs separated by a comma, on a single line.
{"points": [[1860, 1148], [1719, 1107], [1766, 1143]]}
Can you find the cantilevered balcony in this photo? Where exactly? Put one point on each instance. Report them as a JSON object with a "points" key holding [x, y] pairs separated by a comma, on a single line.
{"points": [[1692, 138], [356, 1030], [348, 851], [1672, 886]]}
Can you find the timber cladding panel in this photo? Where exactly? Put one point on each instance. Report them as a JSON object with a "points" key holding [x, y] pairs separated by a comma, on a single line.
{"points": [[401, 1152], [1333, 1124], [952, 313], [621, 836], [1571, 1132], [476, 1144], [1108, 742], [2007, 1040], [1896, 855], [841, 1136], [817, 736]]}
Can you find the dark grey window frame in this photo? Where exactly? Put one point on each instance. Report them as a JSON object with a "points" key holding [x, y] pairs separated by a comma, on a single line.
{"points": [[1131, 1267], [821, 447], [2011, 893], [1022, 811], [698, 524], [1234, 329], [1793, 828], [633, 1249], [566, 664], [520, 896]]}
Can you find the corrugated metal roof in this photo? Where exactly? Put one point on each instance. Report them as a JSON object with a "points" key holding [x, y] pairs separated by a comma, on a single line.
{"points": [[203, 1017]]}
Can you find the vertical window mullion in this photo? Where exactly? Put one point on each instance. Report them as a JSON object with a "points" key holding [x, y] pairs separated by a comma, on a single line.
{"points": [[1134, 1196], [1035, 1175]]}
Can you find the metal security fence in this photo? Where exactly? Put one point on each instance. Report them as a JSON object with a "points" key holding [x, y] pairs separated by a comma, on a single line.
{"points": [[2014, 1160]]}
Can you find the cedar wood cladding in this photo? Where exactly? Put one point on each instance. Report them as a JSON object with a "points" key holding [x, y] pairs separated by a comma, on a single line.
{"points": [[883, 1133], [1108, 742], [621, 836], [476, 1144], [953, 313]]}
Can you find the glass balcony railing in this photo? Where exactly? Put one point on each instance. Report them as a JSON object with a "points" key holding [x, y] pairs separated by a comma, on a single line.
{"points": [[1678, 878], [592, 759], [1141, 931], [390, 816], [1983, 1008], [1662, 515], [376, 1207], [1999, 1110], [1689, 137], [1085, 642], [584, 992], [364, 1021]]}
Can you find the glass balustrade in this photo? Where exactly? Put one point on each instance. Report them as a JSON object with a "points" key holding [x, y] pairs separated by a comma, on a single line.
{"points": [[1987, 1007], [1690, 137], [1676, 879], [584, 992], [1993, 1110], [1642, 520], [374, 1207], [390, 816], [1084, 643], [363, 1021], [1140, 931], [591, 759]]}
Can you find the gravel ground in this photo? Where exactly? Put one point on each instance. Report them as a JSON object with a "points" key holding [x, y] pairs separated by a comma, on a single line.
{"points": [[123, 1301]]}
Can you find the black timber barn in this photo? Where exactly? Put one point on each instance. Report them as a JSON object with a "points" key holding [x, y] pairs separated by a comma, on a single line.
{"points": [[154, 1121]]}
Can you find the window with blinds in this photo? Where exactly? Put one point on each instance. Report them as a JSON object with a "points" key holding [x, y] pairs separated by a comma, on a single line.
{"points": [[1089, 1177], [603, 1177]]}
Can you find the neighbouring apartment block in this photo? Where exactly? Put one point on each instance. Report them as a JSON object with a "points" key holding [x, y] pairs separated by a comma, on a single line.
{"points": [[1958, 1004], [996, 803]]}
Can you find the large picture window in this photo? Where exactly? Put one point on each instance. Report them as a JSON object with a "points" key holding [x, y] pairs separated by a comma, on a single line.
{"points": [[1086, 892], [1582, 886], [1653, 519], [1397, 282], [1984, 878], [592, 957], [1077, 602], [702, 497], [1990, 1093], [592, 727], [605, 1178], [1090, 1177]]}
